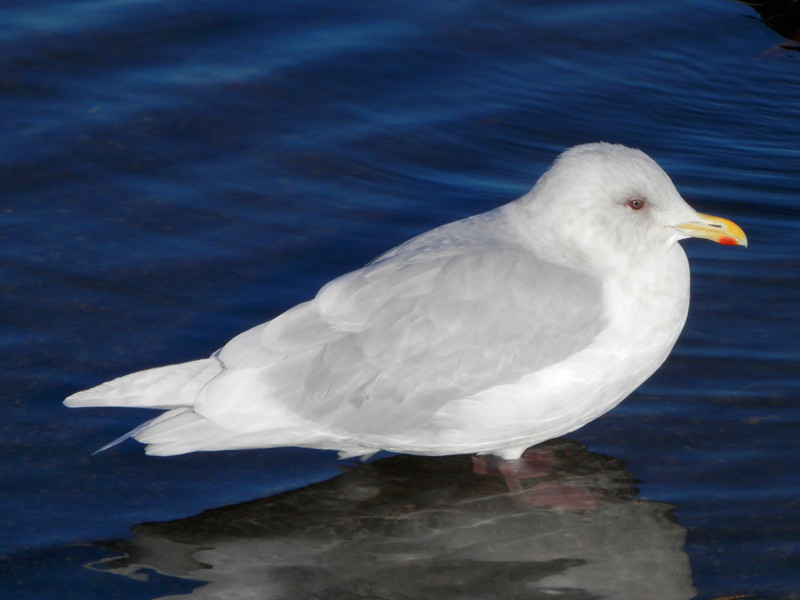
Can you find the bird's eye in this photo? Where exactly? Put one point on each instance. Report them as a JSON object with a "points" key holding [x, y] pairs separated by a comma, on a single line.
{"points": [[636, 203]]}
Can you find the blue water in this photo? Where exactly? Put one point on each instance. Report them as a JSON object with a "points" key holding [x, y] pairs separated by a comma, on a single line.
{"points": [[175, 172]]}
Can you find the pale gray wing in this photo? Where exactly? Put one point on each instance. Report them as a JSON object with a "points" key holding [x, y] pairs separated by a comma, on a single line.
{"points": [[444, 316], [450, 327]]}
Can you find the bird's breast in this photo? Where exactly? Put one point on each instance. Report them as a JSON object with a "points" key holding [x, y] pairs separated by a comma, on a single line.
{"points": [[646, 308]]}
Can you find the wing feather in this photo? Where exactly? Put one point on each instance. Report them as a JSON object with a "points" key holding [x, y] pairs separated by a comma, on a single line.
{"points": [[380, 350], [484, 320]]}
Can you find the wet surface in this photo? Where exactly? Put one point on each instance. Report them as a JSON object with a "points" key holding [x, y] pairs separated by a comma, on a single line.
{"points": [[416, 527]]}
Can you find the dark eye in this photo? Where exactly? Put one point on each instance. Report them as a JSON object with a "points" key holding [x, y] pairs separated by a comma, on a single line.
{"points": [[636, 203]]}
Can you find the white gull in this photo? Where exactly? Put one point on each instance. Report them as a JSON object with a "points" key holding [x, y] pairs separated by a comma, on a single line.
{"points": [[489, 334]]}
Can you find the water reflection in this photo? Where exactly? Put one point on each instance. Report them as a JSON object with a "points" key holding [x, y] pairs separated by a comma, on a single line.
{"points": [[416, 527]]}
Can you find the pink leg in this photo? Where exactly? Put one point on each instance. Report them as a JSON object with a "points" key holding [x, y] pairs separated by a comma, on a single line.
{"points": [[547, 488]]}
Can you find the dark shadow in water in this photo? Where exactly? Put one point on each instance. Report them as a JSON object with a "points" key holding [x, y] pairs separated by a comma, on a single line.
{"points": [[416, 527], [782, 16]]}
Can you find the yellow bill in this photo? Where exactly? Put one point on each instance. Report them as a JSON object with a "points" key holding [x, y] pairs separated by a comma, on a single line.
{"points": [[715, 229]]}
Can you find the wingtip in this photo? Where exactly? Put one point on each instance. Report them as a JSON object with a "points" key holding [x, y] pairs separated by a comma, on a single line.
{"points": [[72, 401], [82, 399]]}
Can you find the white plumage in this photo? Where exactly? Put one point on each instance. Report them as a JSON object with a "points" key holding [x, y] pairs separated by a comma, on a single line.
{"points": [[489, 334]]}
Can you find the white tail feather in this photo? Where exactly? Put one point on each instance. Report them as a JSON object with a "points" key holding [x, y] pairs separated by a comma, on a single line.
{"points": [[179, 431], [182, 430], [162, 387]]}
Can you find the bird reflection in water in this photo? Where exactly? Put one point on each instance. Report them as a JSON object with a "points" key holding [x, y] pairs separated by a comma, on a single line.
{"points": [[420, 527]]}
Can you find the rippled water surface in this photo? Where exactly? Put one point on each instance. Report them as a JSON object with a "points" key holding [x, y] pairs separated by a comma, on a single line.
{"points": [[175, 172]]}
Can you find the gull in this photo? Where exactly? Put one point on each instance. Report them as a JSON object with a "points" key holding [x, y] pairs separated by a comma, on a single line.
{"points": [[486, 335]]}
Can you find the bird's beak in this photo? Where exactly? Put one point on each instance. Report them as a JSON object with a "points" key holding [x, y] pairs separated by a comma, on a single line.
{"points": [[715, 229]]}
